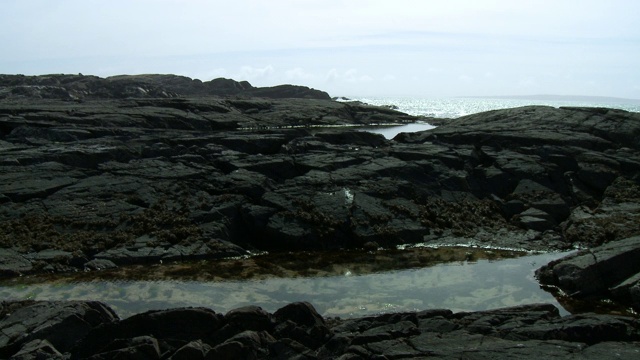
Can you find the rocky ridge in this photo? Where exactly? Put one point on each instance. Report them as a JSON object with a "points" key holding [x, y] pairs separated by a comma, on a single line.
{"points": [[80, 87]]}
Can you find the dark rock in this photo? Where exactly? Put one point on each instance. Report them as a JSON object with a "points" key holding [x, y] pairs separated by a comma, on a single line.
{"points": [[591, 329], [386, 332], [530, 331], [246, 345], [194, 350], [42, 181], [288, 91], [74, 87], [535, 219], [150, 168], [230, 350], [290, 349], [513, 207], [301, 313], [250, 339], [594, 271], [628, 291], [140, 347], [615, 217], [61, 324], [13, 263], [249, 318], [357, 138], [609, 349], [483, 347], [337, 344], [300, 322], [360, 188], [494, 333], [392, 349], [183, 324], [553, 205], [99, 264], [38, 349]]}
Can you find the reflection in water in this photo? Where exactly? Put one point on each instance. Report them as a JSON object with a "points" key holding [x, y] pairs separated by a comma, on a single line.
{"points": [[461, 286]]}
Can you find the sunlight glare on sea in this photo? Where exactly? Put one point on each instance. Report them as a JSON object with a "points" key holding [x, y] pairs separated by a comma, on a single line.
{"points": [[457, 107]]}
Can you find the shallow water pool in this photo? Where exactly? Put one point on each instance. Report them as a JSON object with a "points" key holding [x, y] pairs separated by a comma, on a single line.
{"points": [[459, 286], [390, 132]]}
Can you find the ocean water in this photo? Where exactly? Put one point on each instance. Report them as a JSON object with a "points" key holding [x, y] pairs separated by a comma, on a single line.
{"points": [[459, 106]]}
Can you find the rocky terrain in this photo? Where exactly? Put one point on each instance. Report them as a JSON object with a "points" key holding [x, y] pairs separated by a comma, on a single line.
{"points": [[80, 87], [91, 330], [99, 173]]}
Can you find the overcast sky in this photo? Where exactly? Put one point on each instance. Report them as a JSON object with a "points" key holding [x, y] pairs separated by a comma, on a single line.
{"points": [[346, 47]]}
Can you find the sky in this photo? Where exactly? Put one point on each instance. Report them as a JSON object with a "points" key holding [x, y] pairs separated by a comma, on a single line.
{"points": [[417, 48]]}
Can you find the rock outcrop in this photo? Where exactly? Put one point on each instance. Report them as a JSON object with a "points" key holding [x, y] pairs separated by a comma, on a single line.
{"points": [[297, 331], [119, 182], [79, 87], [147, 180], [611, 270], [169, 174]]}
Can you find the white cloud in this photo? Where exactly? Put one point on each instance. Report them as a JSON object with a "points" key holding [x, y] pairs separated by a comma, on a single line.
{"points": [[255, 73], [332, 75], [352, 75], [298, 74]]}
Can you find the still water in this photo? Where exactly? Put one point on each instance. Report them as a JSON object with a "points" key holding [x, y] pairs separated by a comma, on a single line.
{"points": [[390, 132], [459, 286]]}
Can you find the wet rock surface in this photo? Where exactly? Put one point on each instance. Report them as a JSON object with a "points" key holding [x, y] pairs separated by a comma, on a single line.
{"points": [[298, 331]]}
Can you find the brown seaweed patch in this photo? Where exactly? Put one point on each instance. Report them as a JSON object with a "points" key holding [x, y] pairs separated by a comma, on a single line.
{"points": [[287, 264]]}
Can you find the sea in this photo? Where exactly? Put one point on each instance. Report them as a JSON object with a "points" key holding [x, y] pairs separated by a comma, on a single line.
{"points": [[460, 106], [451, 108]]}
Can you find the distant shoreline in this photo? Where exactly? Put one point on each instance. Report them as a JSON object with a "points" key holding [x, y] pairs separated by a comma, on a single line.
{"points": [[607, 99]]}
